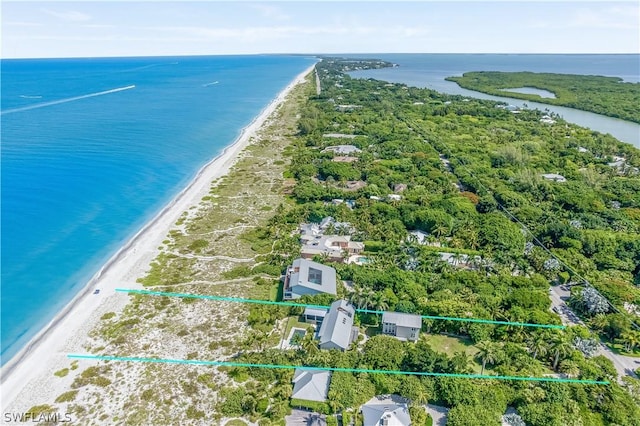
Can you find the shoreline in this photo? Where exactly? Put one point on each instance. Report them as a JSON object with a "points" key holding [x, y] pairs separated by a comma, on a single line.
{"points": [[71, 325]]}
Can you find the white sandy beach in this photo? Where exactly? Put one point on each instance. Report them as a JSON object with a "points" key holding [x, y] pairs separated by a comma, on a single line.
{"points": [[27, 379]]}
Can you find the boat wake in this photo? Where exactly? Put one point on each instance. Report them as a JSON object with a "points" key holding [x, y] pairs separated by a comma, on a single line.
{"points": [[30, 97], [63, 101], [210, 84]]}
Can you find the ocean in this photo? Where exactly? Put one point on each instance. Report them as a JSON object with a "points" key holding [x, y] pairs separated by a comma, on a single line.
{"points": [[93, 148]]}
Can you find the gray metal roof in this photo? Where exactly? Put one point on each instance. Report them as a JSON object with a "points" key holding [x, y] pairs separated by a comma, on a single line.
{"points": [[315, 312], [386, 414], [336, 326], [311, 385], [402, 320], [301, 278]]}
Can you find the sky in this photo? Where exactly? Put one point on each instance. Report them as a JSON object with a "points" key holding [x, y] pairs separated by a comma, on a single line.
{"points": [[163, 28]]}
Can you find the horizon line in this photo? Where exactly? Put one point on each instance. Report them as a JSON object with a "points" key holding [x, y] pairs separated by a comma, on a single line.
{"points": [[316, 54]]}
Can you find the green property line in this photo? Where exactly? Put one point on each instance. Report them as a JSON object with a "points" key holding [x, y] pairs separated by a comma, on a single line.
{"points": [[302, 305], [347, 370]]}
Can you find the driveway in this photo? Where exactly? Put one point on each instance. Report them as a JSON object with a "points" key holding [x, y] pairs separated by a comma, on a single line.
{"points": [[558, 297], [438, 414], [625, 365], [304, 418]]}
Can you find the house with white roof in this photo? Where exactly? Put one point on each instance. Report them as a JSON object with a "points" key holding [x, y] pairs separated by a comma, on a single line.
{"points": [[342, 149], [385, 412], [402, 326], [419, 236], [337, 331], [305, 277], [554, 177], [311, 385], [334, 247]]}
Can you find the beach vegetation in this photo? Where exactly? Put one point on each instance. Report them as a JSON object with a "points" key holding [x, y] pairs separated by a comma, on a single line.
{"points": [[61, 373], [108, 316], [198, 245], [92, 376], [241, 271], [37, 410], [67, 396]]}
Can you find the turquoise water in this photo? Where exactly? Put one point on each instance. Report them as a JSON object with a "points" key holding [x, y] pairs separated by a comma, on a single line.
{"points": [[93, 148]]}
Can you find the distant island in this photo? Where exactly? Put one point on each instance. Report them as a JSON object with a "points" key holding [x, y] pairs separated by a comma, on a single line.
{"points": [[603, 95]]}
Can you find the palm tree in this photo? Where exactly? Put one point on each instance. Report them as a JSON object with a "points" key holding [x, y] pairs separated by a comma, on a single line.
{"points": [[420, 397], [488, 353], [560, 347], [630, 339], [537, 344], [309, 344], [460, 362], [570, 368], [379, 302], [441, 230]]}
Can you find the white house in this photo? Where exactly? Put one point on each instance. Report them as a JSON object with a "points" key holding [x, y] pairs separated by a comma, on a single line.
{"points": [[554, 177], [387, 413], [336, 331], [342, 149], [402, 326]]}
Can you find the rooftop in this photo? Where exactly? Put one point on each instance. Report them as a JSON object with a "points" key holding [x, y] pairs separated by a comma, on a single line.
{"points": [[402, 320], [311, 385], [313, 275]]}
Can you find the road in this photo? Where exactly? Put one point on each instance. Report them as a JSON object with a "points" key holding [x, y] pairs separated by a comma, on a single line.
{"points": [[625, 365]]}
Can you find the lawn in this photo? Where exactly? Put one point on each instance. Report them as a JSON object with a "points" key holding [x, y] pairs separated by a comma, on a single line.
{"points": [[619, 349], [293, 322], [451, 345]]}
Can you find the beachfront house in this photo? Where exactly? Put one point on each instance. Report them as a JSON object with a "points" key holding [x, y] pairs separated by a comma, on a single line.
{"points": [[381, 412], [337, 331], [305, 277], [402, 326], [311, 385]]}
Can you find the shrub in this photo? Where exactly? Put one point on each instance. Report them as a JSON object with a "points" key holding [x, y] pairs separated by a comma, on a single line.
{"points": [[237, 272], [318, 407], [67, 396], [61, 373], [108, 315]]}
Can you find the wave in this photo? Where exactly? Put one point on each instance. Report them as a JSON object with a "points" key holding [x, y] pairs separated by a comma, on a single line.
{"points": [[210, 84], [31, 96], [63, 101], [144, 67]]}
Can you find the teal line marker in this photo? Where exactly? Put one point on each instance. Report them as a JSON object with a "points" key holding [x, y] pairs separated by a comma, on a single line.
{"points": [[302, 305], [348, 370]]}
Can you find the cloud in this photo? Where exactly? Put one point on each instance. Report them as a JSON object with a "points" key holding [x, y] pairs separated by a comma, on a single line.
{"points": [[22, 24], [609, 18], [262, 33], [69, 16], [623, 17], [98, 26], [271, 12]]}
